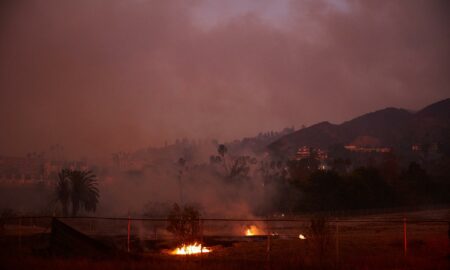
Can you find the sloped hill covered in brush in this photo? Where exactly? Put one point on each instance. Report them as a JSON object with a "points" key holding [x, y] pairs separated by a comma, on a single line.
{"points": [[390, 127]]}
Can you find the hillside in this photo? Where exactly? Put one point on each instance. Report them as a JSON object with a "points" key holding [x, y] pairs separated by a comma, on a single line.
{"points": [[439, 110], [390, 127]]}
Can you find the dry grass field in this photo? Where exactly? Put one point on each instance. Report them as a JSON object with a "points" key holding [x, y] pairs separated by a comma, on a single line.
{"points": [[368, 242]]}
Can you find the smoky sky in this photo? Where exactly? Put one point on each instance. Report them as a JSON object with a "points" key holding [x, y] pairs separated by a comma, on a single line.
{"points": [[103, 76]]}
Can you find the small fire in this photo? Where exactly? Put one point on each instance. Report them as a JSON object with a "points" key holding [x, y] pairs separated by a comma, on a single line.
{"points": [[194, 248], [301, 236], [252, 230]]}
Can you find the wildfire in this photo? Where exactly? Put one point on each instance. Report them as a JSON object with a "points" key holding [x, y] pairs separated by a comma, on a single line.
{"points": [[194, 248], [301, 236], [252, 230]]}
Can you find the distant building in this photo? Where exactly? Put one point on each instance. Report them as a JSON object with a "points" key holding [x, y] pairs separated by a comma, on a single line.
{"points": [[430, 147], [303, 153], [22, 169], [367, 144], [359, 149], [33, 169], [310, 152], [321, 155], [351, 147], [306, 152], [416, 147], [126, 162]]}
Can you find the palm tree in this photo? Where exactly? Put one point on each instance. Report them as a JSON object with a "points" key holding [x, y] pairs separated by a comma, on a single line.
{"points": [[84, 191], [63, 190]]}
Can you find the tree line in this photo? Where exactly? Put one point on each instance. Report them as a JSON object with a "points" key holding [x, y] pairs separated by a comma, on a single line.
{"points": [[301, 186]]}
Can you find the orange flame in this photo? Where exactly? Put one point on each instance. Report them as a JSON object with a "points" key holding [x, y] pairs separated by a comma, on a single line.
{"points": [[194, 248], [252, 230]]}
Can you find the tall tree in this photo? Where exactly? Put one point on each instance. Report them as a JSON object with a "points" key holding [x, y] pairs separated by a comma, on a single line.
{"points": [[222, 150], [181, 169], [84, 191]]}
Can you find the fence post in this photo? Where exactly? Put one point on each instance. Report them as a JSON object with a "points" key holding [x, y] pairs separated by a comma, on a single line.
{"points": [[20, 234], [201, 230], [405, 241], [201, 240], [128, 237], [269, 247], [337, 241]]}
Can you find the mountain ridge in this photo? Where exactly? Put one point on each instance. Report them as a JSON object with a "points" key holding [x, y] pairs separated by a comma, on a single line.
{"points": [[391, 127]]}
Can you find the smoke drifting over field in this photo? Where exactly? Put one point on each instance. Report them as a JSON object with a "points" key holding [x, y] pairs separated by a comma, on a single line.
{"points": [[102, 76], [205, 186]]}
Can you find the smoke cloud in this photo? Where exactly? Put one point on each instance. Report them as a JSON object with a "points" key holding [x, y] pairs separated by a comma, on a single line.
{"points": [[102, 76]]}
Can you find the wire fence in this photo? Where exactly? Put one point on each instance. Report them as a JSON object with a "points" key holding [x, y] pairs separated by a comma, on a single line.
{"points": [[394, 229]]}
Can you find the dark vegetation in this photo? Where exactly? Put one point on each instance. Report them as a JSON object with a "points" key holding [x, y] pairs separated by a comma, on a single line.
{"points": [[362, 181], [304, 188], [184, 223], [350, 182], [78, 189]]}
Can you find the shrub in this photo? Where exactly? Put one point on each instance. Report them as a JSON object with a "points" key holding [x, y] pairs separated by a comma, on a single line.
{"points": [[184, 222]]}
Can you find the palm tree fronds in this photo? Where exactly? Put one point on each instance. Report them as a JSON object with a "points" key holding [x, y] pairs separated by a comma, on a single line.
{"points": [[80, 188]]}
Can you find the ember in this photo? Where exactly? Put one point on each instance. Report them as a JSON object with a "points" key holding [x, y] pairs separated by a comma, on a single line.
{"points": [[301, 236], [194, 248]]}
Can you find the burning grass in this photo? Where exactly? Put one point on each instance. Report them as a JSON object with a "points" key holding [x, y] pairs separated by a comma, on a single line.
{"points": [[253, 230], [190, 249]]}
